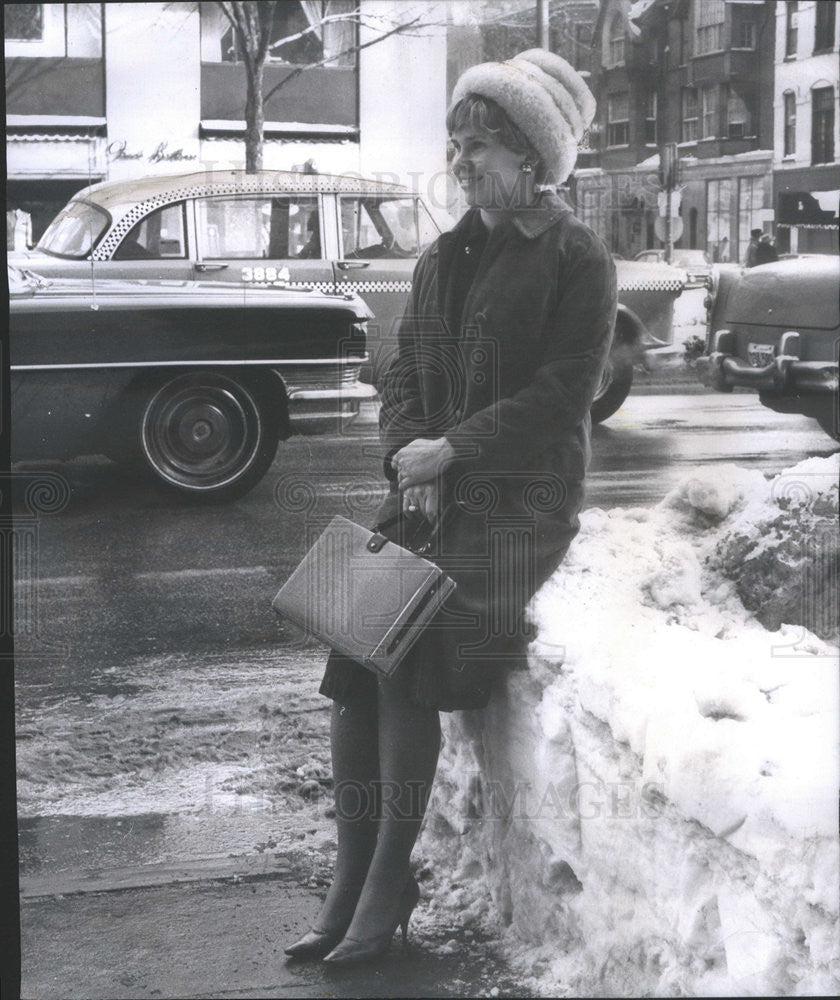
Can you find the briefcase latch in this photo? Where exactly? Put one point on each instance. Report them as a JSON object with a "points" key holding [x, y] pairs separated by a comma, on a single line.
{"points": [[375, 543]]}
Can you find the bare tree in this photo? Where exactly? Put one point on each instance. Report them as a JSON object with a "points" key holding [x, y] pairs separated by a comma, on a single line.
{"points": [[252, 22]]}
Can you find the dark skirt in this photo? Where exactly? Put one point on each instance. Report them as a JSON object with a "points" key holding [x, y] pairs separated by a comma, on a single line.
{"points": [[438, 671]]}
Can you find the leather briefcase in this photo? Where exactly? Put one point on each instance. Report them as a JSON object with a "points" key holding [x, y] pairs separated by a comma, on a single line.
{"points": [[365, 596]]}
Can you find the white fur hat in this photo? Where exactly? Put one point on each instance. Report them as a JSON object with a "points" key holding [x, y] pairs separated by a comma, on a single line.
{"points": [[543, 96]]}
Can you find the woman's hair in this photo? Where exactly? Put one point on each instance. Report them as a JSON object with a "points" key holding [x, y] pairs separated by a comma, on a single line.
{"points": [[484, 115]]}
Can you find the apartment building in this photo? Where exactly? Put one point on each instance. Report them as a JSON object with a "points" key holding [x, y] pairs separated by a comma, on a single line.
{"points": [[806, 169]]}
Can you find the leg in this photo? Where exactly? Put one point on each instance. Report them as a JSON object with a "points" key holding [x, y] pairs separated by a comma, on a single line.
{"points": [[355, 761], [409, 744]]}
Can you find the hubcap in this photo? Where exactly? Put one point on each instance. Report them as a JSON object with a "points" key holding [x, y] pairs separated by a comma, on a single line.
{"points": [[201, 433]]}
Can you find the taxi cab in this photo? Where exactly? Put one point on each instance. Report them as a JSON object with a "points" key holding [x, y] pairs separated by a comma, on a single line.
{"points": [[298, 230]]}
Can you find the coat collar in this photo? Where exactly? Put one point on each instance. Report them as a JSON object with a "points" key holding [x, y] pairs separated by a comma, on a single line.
{"points": [[531, 223]]}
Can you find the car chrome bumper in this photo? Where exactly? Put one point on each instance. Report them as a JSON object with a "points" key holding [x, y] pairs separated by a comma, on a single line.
{"points": [[786, 373], [356, 390]]}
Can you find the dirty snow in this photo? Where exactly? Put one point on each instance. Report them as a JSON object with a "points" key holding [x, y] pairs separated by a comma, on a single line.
{"points": [[652, 808]]}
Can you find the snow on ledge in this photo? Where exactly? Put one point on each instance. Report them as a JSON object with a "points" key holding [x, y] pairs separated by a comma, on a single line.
{"points": [[651, 808]]}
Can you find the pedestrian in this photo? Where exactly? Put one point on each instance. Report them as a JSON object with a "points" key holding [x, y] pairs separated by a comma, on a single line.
{"points": [[485, 425], [722, 252], [752, 248], [766, 251]]}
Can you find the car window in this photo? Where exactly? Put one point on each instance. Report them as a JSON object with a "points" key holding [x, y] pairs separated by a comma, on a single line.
{"points": [[75, 230], [262, 227], [159, 235], [385, 227]]}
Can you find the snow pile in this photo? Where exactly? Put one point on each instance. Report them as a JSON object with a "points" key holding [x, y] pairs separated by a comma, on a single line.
{"points": [[652, 807]]}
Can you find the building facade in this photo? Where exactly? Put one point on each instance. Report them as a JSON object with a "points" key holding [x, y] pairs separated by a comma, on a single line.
{"points": [[697, 74], [111, 91], [806, 171]]}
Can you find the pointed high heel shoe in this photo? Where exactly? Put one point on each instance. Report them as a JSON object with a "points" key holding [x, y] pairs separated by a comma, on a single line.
{"points": [[353, 950], [315, 944]]}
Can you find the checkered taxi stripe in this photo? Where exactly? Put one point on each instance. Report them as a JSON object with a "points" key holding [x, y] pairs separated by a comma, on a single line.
{"points": [[353, 286], [661, 284]]}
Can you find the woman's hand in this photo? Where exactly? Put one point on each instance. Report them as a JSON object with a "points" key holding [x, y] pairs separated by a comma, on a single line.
{"points": [[420, 461], [423, 500]]}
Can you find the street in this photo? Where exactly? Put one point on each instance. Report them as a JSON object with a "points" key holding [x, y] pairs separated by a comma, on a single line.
{"points": [[168, 727]]}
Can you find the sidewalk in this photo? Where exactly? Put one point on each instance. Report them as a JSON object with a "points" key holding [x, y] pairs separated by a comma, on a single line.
{"points": [[186, 933]]}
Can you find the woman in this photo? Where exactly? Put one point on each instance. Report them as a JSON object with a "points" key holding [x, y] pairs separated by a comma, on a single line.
{"points": [[485, 420]]}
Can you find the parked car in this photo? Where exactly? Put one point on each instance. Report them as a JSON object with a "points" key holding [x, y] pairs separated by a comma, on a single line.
{"points": [[775, 329], [304, 230], [695, 263], [197, 382]]}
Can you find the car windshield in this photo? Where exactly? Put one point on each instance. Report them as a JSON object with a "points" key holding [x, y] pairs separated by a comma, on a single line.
{"points": [[74, 231]]}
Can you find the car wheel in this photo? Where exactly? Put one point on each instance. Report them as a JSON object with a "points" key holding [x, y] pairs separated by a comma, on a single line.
{"points": [[208, 435], [614, 387]]}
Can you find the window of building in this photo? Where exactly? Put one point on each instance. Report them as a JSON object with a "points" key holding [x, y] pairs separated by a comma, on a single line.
{"points": [[47, 30], [824, 28], [743, 28], [689, 115], [750, 209], [618, 119], [23, 22], [738, 118], [718, 211], [710, 15], [303, 32], [262, 227], [650, 119], [684, 46], [615, 42], [822, 125], [583, 46], [791, 15], [789, 112], [159, 236], [710, 112]]}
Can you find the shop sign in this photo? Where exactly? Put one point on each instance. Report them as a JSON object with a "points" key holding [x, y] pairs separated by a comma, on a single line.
{"points": [[119, 150]]}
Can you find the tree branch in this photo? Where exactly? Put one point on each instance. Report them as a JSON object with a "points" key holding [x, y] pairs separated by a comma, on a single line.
{"points": [[337, 55]]}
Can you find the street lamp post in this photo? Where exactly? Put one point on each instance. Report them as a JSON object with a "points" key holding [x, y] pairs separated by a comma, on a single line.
{"points": [[542, 24]]}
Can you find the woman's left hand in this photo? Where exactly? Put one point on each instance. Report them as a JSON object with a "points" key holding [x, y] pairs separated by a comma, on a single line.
{"points": [[421, 460]]}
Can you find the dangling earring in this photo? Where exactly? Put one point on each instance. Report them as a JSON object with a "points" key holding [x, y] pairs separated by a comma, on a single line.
{"points": [[526, 167]]}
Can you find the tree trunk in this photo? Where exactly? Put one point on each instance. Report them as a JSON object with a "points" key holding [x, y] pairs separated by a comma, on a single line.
{"points": [[254, 118]]}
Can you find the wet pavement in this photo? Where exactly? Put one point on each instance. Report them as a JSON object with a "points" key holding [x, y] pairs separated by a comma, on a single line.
{"points": [[224, 937]]}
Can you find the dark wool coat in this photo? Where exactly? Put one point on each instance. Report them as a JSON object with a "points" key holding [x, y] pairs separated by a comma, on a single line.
{"points": [[509, 381]]}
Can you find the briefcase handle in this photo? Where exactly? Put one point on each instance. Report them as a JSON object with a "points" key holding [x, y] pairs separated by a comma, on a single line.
{"points": [[412, 544]]}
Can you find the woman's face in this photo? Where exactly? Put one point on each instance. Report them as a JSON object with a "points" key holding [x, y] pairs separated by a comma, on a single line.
{"points": [[489, 173]]}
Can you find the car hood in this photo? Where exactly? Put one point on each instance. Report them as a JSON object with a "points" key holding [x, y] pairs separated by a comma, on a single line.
{"points": [[795, 294], [162, 293]]}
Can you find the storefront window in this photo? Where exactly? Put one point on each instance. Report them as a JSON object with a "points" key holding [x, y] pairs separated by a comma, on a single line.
{"points": [[718, 211], [750, 209]]}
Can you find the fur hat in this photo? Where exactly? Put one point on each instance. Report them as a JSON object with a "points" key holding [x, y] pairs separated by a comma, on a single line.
{"points": [[543, 96]]}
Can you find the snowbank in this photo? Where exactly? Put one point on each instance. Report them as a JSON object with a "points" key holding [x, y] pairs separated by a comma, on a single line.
{"points": [[651, 808]]}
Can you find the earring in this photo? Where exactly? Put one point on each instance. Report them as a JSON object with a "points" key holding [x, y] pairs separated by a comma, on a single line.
{"points": [[526, 167]]}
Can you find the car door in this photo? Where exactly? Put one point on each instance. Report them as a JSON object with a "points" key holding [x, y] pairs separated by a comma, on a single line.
{"points": [[261, 239], [380, 238]]}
